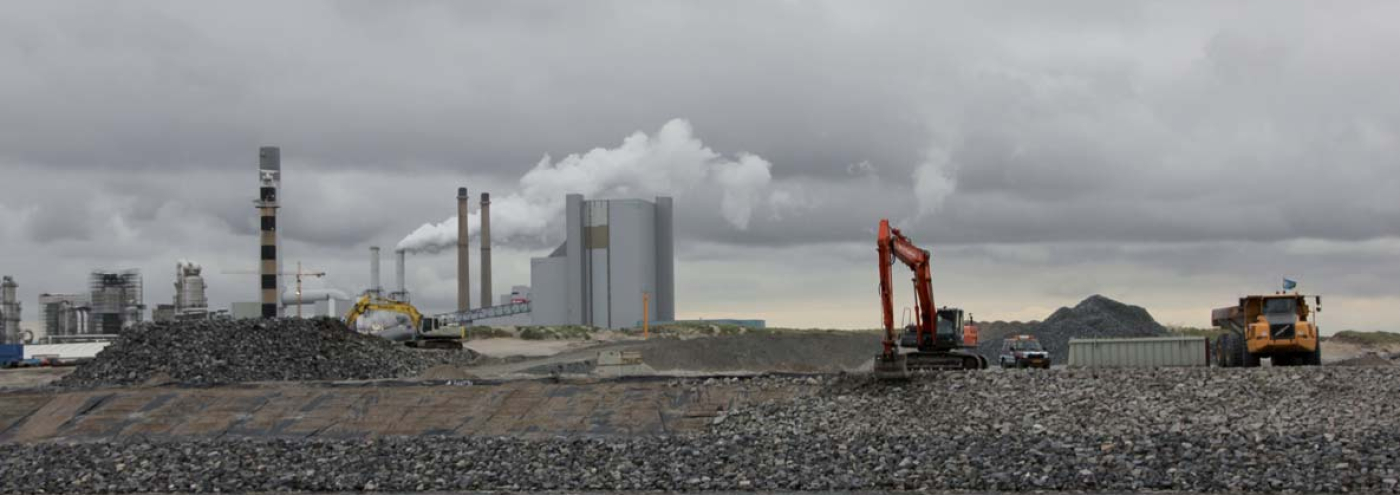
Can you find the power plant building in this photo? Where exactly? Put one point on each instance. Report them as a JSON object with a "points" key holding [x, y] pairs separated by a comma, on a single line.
{"points": [[117, 301], [617, 263], [10, 308]]}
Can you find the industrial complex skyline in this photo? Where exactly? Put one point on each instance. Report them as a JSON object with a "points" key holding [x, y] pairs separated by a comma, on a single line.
{"points": [[1167, 155]]}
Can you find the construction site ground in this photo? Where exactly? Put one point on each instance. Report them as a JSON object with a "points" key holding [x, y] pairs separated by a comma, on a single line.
{"points": [[539, 401], [528, 388]]}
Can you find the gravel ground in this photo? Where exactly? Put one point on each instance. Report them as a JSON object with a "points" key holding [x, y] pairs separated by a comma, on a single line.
{"points": [[791, 351], [1194, 430], [232, 351]]}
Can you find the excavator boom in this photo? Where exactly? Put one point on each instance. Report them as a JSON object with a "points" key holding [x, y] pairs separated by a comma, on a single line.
{"points": [[931, 352]]}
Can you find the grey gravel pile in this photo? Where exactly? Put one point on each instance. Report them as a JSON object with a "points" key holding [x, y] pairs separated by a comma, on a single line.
{"points": [[232, 351], [1094, 317], [1193, 430]]}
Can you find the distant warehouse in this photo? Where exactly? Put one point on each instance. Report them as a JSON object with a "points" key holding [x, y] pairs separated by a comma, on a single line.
{"points": [[1146, 352]]}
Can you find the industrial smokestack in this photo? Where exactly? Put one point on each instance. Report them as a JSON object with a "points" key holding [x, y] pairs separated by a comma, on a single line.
{"points": [[374, 272], [269, 180], [485, 250], [400, 292], [464, 272]]}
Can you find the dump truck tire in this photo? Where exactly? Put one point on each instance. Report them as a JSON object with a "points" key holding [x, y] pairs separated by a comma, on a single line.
{"points": [[1228, 351]]}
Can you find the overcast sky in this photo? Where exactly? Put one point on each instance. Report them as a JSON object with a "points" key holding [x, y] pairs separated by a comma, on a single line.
{"points": [[1172, 155]]}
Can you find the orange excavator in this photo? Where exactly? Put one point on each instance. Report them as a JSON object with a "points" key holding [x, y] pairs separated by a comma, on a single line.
{"points": [[940, 339]]}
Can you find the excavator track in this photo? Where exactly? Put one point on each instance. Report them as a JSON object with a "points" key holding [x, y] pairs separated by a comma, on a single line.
{"points": [[905, 366], [943, 361]]}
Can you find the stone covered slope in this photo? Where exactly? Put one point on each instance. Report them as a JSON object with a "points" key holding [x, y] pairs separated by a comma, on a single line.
{"points": [[1265, 430], [232, 351]]}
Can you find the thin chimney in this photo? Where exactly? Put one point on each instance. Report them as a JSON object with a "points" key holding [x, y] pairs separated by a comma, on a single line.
{"points": [[464, 285], [401, 293], [485, 250], [374, 272]]}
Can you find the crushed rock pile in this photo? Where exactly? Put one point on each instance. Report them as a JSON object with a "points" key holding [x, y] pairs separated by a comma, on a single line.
{"points": [[1263, 430], [1094, 317], [210, 352]]}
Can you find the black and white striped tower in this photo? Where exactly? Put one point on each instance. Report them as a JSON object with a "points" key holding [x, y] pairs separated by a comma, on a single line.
{"points": [[269, 180]]}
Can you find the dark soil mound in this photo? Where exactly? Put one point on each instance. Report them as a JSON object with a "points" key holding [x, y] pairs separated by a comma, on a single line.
{"points": [[1095, 317]]}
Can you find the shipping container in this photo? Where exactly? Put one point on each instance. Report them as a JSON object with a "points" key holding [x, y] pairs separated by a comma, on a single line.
{"points": [[10, 354], [1146, 352]]}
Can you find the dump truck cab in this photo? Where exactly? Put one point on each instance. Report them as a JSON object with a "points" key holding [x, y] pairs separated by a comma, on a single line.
{"points": [[1280, 326]]}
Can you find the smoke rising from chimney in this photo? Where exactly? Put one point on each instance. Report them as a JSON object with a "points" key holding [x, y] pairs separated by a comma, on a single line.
{"points": [[670, 163]]}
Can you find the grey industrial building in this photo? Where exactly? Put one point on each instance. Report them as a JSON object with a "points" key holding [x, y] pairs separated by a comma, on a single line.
{"points": [[65, 314], [10, 309], [615, 253]]}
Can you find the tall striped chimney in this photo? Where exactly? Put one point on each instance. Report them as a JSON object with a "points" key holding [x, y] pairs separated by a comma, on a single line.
{"points": [[464, 272], [269, 180], [485, 250]]}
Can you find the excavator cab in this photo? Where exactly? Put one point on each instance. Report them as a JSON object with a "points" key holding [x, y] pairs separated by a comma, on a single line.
{"points": [[937, 334]]}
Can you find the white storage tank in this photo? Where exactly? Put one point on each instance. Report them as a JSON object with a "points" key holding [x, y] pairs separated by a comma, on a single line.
{"points": [[1145, 352]]}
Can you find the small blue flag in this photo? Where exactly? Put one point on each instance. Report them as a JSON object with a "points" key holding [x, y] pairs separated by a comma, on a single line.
{"points": [[1289, 284]]}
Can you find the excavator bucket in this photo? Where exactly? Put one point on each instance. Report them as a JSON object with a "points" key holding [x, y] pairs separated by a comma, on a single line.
{"points": [[892, 367]]}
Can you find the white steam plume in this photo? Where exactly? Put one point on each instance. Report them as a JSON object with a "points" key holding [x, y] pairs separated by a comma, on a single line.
{"points": [[673, 162], [934, 180]]}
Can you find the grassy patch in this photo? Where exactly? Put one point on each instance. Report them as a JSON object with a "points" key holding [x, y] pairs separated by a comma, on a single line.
{"points": [[1367, 338]]}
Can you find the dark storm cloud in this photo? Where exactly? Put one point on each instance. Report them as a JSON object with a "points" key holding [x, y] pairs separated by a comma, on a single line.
{"points": [[430, 85], [60, 220], [1050, 134]]}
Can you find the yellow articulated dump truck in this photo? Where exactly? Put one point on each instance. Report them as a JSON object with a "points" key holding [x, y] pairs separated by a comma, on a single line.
{"points": [[1277, 326]]}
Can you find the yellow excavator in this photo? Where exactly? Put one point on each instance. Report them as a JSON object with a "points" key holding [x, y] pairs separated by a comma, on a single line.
{"points": [[396, 321]]}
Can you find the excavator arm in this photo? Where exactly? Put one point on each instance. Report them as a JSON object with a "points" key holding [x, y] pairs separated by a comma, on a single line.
{"points": [[932, 351], [893, 245]]}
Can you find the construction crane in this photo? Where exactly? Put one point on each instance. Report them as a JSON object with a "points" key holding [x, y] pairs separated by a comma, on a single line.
{"points": [[939, 334], [298, 274]]}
